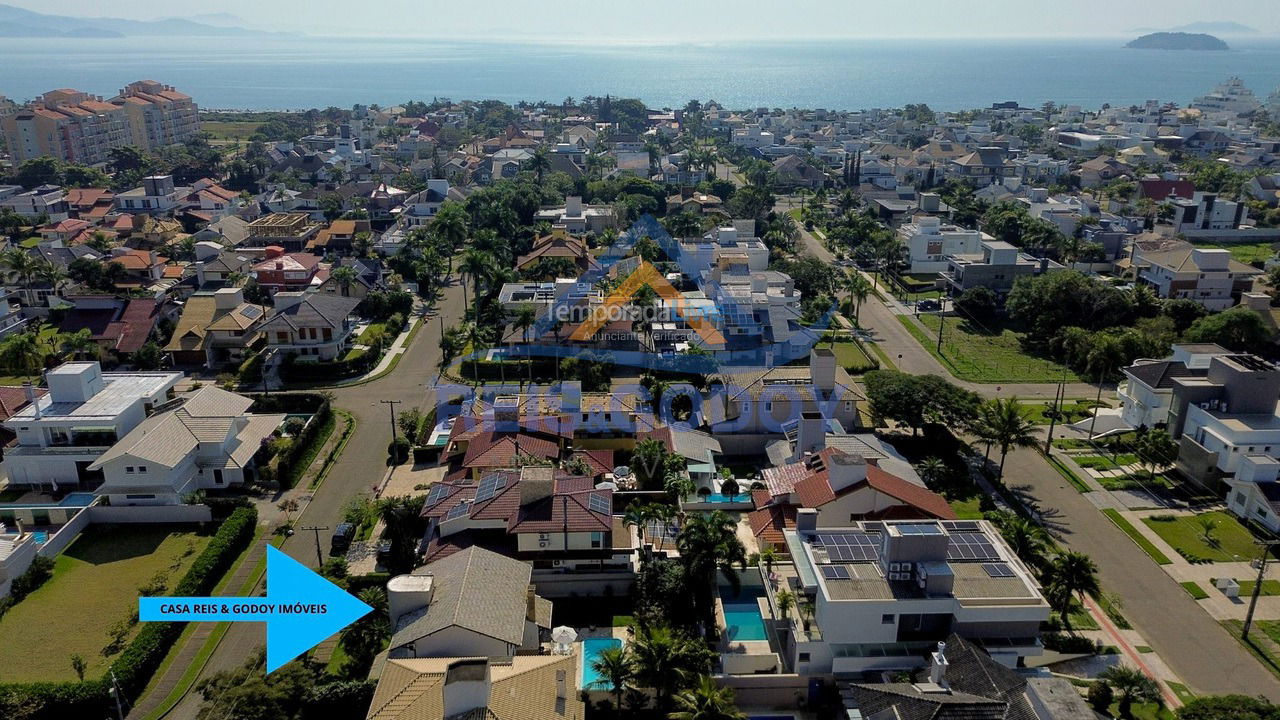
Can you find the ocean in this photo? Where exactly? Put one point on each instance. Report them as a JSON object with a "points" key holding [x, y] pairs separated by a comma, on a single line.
{"points": [[289, 72]]}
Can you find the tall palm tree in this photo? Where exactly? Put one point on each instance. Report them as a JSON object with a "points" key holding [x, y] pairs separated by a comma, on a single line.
{"points": [[1004, 423], [614, 666], [345, 277], [709, 546], [1071, 575], [786, 600], [667, 661], [1027, 540], [22, 351], [1133, 686], [476, 265], [539, 163], [637, 516], [50, 273], [525, 319], [859, 290], [21, 264], [707, 701], [476, 337]]}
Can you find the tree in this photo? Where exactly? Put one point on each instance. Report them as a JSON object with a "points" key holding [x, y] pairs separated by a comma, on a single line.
{"points": [[365, 638], [1228, 707], [1239, 329], [932, 470], [525, 319], [345, 276], [1005, 424], [638, 517], [1071, 574], [539, 163], [478, 266], [80, 343], [148, 356], [1100, 696], [1132, 684], [255, 695], [20, 263], [287, 506], [668, 661], [859, 290], [1156, 449], [21, 351], [1027, 540], [404, 529], [78, 665], [709, 546], [647, 249], [978, 303], [707, 701], [613, 665], [786, 600], [914, 400], [649, 461]]}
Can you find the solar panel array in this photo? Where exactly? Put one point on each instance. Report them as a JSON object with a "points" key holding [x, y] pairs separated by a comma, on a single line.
{"points": [[998, 570], [490, 487], [961, 526], [438, 493], [918, 529], [835, 572], [458, 510], [599, 503], [971, 546], [850, 547]]}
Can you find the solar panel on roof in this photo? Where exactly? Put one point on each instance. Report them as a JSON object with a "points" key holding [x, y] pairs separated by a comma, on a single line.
{"points": [[458, 510], [971, 546], [251, 312], [835, 572], [998, 570], [490, 487], [960, 526], [438, 493], [599, 503]]}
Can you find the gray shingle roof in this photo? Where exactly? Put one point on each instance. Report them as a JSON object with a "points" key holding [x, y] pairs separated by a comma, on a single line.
{"points": [[315, 310]]}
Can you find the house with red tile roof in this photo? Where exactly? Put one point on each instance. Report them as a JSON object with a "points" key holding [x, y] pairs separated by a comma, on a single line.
{"points": [[537, 513], [92, 204], [120, 327], [841, 487], [289, 272]]}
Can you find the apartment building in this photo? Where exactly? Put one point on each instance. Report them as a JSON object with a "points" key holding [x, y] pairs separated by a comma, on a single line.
{"points": [[1207, 211], [997, 267], [81, 128], [85, 412]]}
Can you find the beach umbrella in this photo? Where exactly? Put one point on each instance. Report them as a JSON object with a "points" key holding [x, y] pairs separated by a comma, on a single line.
{"points": [[564, 635]]}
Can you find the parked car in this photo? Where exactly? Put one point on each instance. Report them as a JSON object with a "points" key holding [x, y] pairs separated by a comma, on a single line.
{"points": [[342, 537], [929, 306]]}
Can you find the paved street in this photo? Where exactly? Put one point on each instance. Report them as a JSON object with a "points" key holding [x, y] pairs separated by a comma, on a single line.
{"points": [[1193, 645], [357, 472]]}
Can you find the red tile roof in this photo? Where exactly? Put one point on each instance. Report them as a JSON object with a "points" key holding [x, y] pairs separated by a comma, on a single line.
{"points": [[1161, 189], [13, 398], [492, 450], [767, 523], [923, 499]]}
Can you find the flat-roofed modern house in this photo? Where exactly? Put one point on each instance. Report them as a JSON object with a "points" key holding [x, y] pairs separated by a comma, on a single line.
{"points": [[884, 593], [85, 412]]}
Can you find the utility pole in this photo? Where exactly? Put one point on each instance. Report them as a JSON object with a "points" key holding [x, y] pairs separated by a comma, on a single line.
{"points": [[316, 529], [1257, 587], [392, 405], [1056, 410], [942, 319], [1097, 402], [115, 694]]}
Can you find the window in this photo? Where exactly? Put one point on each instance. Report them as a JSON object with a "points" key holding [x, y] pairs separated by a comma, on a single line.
{"points": [[802, 657], [217, 477], [128, 469], [282, 337], [142, 468], [139, 497], [1239, 498], [328, 333], [887, 619], [597, 540]]}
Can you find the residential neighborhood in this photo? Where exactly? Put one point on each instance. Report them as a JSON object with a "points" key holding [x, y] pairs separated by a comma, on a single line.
{"points": [[604, 408]]}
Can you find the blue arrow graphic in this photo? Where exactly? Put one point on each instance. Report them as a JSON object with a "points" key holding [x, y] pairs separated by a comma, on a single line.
{"points": [[301, 609]]}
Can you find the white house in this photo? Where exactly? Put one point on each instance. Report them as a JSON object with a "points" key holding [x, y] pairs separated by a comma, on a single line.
{"points": [[931, 243], [85, 412], [1207, 211], [204, 440], [1147, 391], [1207, 275], [1254, 491]]}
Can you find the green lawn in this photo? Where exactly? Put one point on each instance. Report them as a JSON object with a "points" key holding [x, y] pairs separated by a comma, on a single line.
{"points": [[976, 356], [852, 357], [1246, 253], [1194, 590], [1136, 536], [370, 333], [1271, 628], [1232, 541], [1269, 587], [94, 586], [1105, 462], [1068, 475], [229, 130], [1072, 411], [968, 509]]}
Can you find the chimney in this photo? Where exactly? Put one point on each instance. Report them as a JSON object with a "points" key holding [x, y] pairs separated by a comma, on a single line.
{"points": [[506, 413], [272, 251], [536, 483], [286, 299], [530, 604], [938, 666], [573, 205], [807, 520], [408, 594], [466, 686], [845, 469], [228, 298], [812, 434], [822, 368], [930, 202], [31, 398]]}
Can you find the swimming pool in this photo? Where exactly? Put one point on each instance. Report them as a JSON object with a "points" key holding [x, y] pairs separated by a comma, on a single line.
{"points": [[742, 617], [41, 537], [722, 498], [76, 499], [591, 649]]}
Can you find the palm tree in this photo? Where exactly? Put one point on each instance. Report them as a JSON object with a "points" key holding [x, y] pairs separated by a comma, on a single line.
{"points": [[525, 319], [18, 262], [476, 337], [859, 290], [1004, 423], [364, 638], [477, 265], [638, 517], [21, 351], [786, 600], [1027, 540], [1133, 686], [344, 276], [1072, 574], [768, 557], [614, 666], [648, 460], [79, 342], [709, 546], [451, 225], [932, 470], [707, 701], [667, 661], [539, 163], [50, 273]]}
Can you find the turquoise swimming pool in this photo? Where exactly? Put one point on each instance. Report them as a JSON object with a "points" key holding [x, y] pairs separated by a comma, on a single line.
{"points": [[76, 499], [722, 498], [591, 649], [742, 617]]}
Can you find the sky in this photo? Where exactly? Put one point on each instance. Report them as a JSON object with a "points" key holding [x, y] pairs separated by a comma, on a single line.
{"points": [[695, 20]]}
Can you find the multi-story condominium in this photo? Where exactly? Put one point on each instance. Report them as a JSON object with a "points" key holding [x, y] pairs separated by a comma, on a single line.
{"points": [[157, 114], [1206, 211], [885, 592], [1207, 275], [62, 433], [81, 128], [931, 243], [1231, 97], [156, 196]]}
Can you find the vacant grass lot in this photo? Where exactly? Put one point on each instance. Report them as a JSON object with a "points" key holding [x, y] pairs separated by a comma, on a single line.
{"points": [[987, 357], [229, 130], [1232, 541], [853, 358], [1246, 253], [94, 586]]}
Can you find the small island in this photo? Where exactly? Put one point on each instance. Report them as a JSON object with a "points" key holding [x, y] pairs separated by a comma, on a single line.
{"points": [[1178, 41]]}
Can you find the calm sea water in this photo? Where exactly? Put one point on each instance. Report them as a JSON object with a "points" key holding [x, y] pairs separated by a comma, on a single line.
{"points": [[297, 72]]}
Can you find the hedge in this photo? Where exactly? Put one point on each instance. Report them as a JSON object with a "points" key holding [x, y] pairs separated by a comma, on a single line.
{"points": [[139, 661], [293, 462], [292, 370]]}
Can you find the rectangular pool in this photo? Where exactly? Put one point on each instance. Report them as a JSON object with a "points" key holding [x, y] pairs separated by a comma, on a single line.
{"points": [[591, 649], [722, 498], [76, 499], [742, 617]]}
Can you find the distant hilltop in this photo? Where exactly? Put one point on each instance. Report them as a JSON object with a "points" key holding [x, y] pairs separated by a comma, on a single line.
{"points": [[17, 22], [1178, 41]]}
